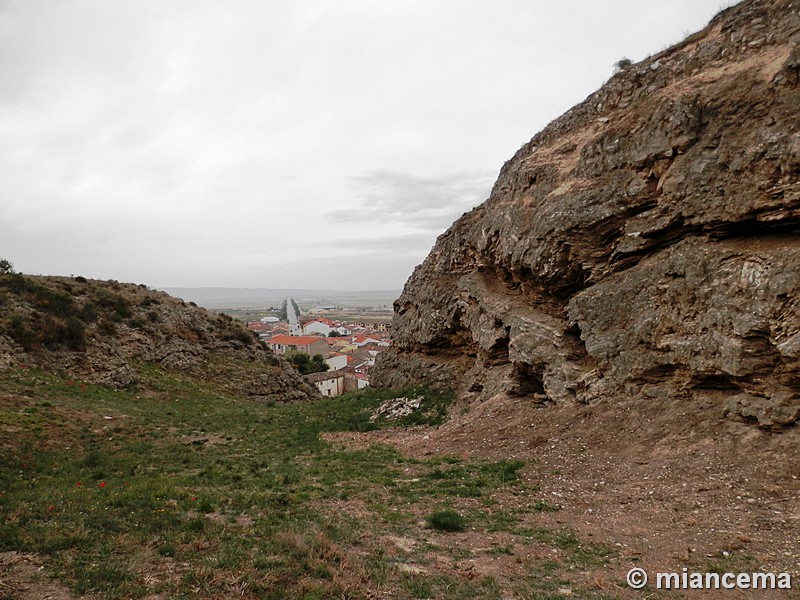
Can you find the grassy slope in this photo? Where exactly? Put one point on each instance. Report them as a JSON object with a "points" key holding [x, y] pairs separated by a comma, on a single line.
{"points": [[175, 489]]}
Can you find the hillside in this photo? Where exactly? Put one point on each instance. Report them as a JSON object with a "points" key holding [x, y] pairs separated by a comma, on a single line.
{"points": [[106, 332]]}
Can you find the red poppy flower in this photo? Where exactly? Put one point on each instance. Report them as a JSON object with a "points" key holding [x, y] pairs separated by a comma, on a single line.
{"points": [[51, 508], [78, 484], [102, 484]]}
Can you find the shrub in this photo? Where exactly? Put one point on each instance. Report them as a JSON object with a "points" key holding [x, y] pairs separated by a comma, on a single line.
{"points": [[239, 335], [306, 364], [18, 284], [53, 301], [107, 327], [137, 323], [43, 298], [74, 334], [114, 302], [43, 329], [446, 520], [318, 364], [20, 332], [622, 64], [88, 312], [6, 267]]}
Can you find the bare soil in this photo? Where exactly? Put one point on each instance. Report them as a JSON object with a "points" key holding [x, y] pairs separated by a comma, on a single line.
{"points": [[22, 578], [667, 484]]}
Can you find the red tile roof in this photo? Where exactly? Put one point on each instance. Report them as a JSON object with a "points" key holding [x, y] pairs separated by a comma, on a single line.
{"points": [[295, 340]]}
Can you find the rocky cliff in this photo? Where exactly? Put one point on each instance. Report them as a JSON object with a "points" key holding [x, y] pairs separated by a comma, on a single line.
{"points": [[110, 333], [644, 243]]}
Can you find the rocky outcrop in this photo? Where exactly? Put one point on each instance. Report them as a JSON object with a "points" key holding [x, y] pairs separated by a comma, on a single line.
{"points": [[648, 237], [396, 408], [108, 332]]}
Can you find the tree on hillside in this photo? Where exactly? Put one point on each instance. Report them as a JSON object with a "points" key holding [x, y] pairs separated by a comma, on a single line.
{"points": [[6, 267], [622, 64], [319, 364], [306, 364]]}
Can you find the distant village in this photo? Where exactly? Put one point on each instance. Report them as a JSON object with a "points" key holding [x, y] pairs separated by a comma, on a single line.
{"points": [[349, 348]]}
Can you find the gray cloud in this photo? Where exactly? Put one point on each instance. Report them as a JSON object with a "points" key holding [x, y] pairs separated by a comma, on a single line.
{"points": [[426, 203], [371, 243], [366, 271]]}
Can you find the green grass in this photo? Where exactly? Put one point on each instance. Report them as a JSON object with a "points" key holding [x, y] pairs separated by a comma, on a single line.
{"points": [[173, 488]]}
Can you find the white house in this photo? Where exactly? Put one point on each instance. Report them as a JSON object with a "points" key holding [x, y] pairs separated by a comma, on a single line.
{"points": [[317, 326], [337, 361], [330, 383]]}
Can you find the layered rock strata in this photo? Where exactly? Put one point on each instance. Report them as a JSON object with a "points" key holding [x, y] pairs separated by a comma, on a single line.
{"points": [[648, 237]]}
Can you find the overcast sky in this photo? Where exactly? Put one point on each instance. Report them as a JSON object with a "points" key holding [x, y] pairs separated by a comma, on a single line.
{"points": [[257, 143]]}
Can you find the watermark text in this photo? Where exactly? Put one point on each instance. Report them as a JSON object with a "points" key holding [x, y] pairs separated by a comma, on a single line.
{"points": [[693, 580]]}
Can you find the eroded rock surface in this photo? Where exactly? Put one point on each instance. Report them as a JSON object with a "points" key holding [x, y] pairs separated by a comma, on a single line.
{"points": [[649, 236]]}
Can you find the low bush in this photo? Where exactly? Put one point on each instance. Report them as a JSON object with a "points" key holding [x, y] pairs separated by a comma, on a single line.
{"points": [[239, 335], [446, 520], [74, 334], [114, 303], [47, 330]]}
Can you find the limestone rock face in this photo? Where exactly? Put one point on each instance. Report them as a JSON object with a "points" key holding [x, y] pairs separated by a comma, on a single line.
{"points": [[649, 236]]}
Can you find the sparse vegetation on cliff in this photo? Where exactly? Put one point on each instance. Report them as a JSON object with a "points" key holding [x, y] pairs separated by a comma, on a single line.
{"points": [[622, 63]]}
